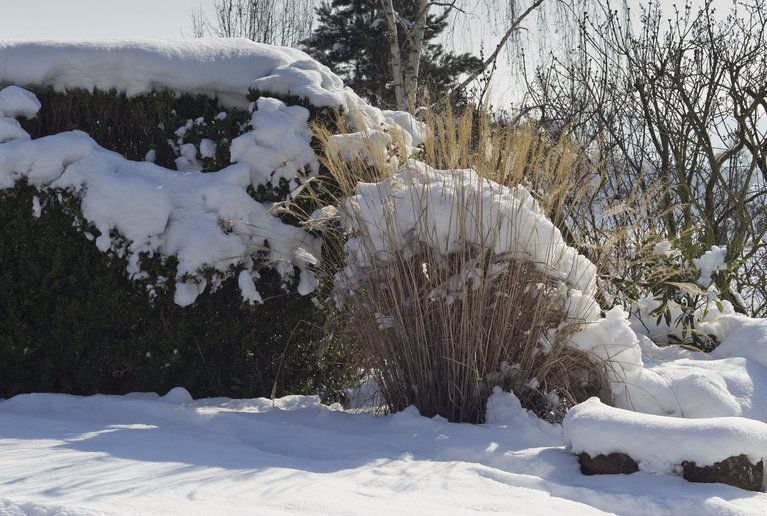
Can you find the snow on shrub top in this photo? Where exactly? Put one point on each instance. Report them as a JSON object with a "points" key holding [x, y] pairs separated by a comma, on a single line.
{"points": [[208, 221], [448, 209], [659, 443], [217, 67], [224, 68]]}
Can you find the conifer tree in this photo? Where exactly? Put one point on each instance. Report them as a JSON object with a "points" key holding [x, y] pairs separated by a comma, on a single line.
{"points": [[353, 38]]}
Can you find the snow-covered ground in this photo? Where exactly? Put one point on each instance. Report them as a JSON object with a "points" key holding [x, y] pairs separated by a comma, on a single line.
{"points": [[144, 454]]}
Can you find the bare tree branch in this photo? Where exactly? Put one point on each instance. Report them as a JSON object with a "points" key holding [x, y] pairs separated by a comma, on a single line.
{"points": [[492, 58]]}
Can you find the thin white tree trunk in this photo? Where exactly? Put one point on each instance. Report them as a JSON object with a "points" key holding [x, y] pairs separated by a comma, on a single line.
{"points": [[416, 38], [396, 56]]}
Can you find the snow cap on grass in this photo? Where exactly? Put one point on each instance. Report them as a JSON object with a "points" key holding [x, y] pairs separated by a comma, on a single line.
{"points": [[449, 208], [660, 443]]}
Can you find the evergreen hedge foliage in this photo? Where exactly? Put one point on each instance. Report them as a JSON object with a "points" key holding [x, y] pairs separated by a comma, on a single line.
{"points": [[70, 319]]}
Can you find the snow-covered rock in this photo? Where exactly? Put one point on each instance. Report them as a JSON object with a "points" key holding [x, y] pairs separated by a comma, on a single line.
{"points": [[660, 444]]}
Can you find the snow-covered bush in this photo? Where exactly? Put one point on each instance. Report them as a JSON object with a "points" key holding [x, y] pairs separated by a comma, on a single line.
{"points": [[454, 283], [169, 163], [73, 322]]}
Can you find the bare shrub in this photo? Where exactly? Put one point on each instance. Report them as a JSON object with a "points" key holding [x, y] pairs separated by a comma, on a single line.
{"points": [[676, 98]]}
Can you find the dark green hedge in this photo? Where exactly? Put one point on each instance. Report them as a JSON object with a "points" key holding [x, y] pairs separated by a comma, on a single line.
{"points": [[71, 321]]}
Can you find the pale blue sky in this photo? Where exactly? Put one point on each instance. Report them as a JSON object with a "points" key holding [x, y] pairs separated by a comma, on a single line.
{"points": [[56, 19]]}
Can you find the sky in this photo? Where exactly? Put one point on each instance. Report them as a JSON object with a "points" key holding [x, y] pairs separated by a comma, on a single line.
{"points": [[56, 19]]}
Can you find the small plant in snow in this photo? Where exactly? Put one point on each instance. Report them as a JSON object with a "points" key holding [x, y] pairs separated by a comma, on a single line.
{"points": [[673, 296]]}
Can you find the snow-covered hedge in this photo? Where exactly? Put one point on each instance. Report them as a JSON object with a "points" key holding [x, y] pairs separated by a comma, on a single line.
{"points": [[173, 159], [208, 222]]}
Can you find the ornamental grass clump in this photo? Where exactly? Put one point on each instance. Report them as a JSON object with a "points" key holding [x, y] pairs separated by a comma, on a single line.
{"points": [[453, 283]]}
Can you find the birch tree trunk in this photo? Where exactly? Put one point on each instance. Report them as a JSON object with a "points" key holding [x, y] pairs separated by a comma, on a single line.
{"points": [[396, 55], [413, 63]]}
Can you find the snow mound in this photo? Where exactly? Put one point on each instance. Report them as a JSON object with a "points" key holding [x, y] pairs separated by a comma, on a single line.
{"points": [[672, 381], [659, 443], [611, 340], [741, 337], [178, 396]]}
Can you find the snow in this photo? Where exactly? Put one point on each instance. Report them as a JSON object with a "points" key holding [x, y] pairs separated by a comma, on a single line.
{"points": [[278, 147], [208, 148], [208, 221], [446, 208], [672, 381], [248, 288], [16, 102], [219, 67], [742, 337], [712, 261], [10, 130], [611, 340], [147, 454], [658, 443]]}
